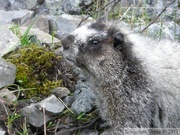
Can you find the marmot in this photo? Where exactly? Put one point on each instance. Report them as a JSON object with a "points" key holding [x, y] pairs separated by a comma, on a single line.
{"points": [[137, 79]]}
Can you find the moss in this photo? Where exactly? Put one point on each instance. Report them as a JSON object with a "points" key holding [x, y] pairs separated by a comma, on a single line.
{"points": [[36, 68]]}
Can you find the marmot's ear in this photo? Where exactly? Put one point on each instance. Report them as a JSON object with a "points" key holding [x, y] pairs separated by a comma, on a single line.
{"points": [[118, 40]]}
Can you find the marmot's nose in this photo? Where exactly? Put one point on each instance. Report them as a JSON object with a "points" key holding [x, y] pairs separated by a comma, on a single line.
{"points": [[67, 42]]}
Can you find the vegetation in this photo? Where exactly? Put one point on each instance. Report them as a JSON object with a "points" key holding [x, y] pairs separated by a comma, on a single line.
{"points": [[35, 69]]}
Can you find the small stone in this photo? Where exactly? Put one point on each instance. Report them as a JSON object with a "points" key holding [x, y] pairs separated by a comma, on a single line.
{"points": [[60, 92], [34, 116], [52, 105], [7, 96], [69, 100]]}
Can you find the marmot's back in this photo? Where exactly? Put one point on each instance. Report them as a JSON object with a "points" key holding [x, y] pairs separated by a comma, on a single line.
{"points": [[136, 79]]}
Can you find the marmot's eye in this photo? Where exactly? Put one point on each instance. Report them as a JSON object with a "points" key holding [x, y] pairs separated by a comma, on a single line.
{"points": [[95, 42]]}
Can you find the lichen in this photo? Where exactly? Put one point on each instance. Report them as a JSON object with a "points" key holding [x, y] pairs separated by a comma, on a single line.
{"points": [[37, 67]]}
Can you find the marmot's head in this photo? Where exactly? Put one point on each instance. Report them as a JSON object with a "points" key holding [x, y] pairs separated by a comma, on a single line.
{"points": [[96, 46]]}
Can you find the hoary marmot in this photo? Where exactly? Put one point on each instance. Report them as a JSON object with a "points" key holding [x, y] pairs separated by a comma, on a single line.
{"points": [[136, 78]]}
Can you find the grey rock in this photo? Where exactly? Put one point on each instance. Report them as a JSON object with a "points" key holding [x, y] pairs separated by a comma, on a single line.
{"points": [[22, 4], [59, 7], [40, 2], [54, 7], [60, 92], [4, 4], [3, 114], [7, 96], [75, 6], [69, 100], [52, 105], [65, 24], [89, 132], [41, 36], [34, 112], [167, 30], [8, 40], [7, 73], [39, 22], [34, 115], [84, 99], [2, 132], [174, 28], [17, 17]]}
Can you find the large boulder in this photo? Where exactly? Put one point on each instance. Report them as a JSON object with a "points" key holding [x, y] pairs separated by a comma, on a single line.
{"points": [[65, 24], [17, 17]]}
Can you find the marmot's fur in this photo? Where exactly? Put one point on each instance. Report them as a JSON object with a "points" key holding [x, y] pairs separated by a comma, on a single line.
{"points": [[137, 79]]}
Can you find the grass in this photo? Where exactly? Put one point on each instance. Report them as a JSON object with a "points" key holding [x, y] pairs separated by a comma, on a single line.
{"points": [[137, 16]]}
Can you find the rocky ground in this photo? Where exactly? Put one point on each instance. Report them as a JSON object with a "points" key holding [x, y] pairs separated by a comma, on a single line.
{"points": [[40, 92]]}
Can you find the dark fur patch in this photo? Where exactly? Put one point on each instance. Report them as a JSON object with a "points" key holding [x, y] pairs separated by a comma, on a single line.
{"points": [[67, 41], [111, 31], [98, 26]]}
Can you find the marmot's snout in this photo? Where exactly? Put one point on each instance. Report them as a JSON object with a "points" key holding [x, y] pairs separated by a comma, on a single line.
{"points": [[66, 42]]}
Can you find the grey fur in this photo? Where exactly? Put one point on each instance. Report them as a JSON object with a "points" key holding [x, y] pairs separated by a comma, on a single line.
{"points": [[137, 79]]}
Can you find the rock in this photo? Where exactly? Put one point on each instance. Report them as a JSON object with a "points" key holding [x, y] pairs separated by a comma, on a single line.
{"points": [[89, 132], [40, 2], [54, 7], [167, 30], [75, 6], [52, 105], [7, 96], [22, 4], [84, 99], [7, 73], [34, 116], [17, 17], [60, 92], [174, 30], [65, 24], [4, 4], [3, 115], [39, 22], [42, 36], [2, 132], [8, 40], [69, 100], [34, 112]]}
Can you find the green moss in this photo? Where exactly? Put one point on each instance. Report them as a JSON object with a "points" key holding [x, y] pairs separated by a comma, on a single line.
{"points": [[36, 68]]}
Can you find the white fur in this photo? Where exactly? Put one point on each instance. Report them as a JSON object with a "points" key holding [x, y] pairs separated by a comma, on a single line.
{"points": [[83, 32]]}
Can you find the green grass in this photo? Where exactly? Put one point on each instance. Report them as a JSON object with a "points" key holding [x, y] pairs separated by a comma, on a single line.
{"points": [[135, 16]]}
